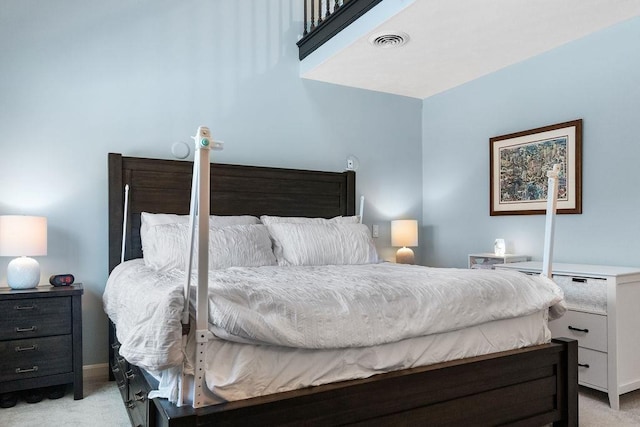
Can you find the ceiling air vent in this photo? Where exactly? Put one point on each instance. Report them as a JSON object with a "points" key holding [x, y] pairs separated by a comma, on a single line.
{"points": [[389, 39]]}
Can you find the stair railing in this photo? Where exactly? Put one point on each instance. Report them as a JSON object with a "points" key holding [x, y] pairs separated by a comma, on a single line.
{"points": [[317, 11]]}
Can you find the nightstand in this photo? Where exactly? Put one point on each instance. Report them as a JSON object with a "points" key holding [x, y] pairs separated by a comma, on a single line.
{"points": [[41, 338], [602, 316], [489, 259]]}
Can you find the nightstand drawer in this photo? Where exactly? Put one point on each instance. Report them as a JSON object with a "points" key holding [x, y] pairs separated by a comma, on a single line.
{"points": [[592, 368], [35, 357], [37, 317], [589, 329], [584, 293]]}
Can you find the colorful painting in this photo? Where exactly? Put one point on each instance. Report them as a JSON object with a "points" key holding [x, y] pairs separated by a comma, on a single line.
{"points": [[519, 166], [523, 169]]}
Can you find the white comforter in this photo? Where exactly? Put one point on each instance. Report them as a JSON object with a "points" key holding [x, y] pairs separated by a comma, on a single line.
{"points": [[317, 307]]}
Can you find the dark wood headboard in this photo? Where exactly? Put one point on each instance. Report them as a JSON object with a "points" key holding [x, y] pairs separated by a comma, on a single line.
{"points": [[164, 186]]}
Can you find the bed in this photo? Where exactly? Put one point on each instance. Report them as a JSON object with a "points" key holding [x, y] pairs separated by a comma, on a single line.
{"points": [[535, 385]]}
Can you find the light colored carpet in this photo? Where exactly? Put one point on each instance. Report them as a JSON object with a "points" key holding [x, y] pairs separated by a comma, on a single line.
{"points": [[103, 407], [594, 410]]}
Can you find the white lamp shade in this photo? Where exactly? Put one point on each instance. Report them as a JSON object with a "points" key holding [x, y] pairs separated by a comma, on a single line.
{"points": [[23, 235], [404, 232]]}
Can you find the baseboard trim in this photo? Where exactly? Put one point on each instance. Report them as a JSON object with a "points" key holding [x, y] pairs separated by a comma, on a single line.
{"points": [[98, 371]]}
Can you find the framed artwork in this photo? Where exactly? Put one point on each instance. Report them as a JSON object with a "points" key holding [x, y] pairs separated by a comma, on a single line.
{"points": [[518, 169]]}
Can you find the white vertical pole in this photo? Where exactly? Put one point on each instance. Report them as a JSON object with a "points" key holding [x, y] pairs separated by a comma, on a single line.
{"points": [[187, 284], [361, 208], [552, 202], [124, 222], [204, 144], [192, 229], [203, 228]]}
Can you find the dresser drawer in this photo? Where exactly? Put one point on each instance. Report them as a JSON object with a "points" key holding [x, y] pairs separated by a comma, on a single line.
{"points": [[37, 317], [584, 293], [594, 369], [589, 329], [35, 357]]}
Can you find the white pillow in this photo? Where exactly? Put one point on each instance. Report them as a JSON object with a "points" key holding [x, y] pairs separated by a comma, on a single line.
{"points": [[151, 219], [166, 246], [268, 220], [322, 244]]}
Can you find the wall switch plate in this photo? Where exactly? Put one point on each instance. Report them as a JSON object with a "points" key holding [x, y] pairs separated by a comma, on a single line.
{"points": [[375, 231]]}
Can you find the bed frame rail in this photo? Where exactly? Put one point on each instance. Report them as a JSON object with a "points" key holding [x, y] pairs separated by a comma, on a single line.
{"points": [[529, 387]]}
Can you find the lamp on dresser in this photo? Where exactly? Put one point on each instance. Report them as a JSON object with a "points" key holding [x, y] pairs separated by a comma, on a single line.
{"points": [[404, 232], [22, 237]]}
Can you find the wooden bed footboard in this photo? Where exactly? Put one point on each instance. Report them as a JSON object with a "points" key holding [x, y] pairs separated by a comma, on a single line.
{"points": [[533, 386]]}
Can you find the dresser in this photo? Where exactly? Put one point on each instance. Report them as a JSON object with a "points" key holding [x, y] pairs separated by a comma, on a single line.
{"points": [[41, 338], [604, 316]]}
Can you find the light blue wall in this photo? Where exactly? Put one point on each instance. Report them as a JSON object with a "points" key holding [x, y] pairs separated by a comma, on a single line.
{"points": [[597, 79], [80, 79]]}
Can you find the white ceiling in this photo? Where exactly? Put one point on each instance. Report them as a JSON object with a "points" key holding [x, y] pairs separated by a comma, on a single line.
{"points": [[456, 41]]}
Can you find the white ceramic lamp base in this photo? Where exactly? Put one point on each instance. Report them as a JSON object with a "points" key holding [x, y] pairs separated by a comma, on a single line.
{"points": [[23, 273], [405, 256]]}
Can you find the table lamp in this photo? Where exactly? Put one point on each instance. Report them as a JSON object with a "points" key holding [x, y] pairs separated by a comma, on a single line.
{"points": [[23, 236], [404, 232]]}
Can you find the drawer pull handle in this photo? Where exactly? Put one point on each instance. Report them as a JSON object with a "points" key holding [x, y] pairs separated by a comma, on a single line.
{"points": [[579, 279], [121, 385], [30, 329], [586, 331], [584, 365], [129, 374], [139, 396], [130, 404], [31, 347], [23, 371], [25, 307]]}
